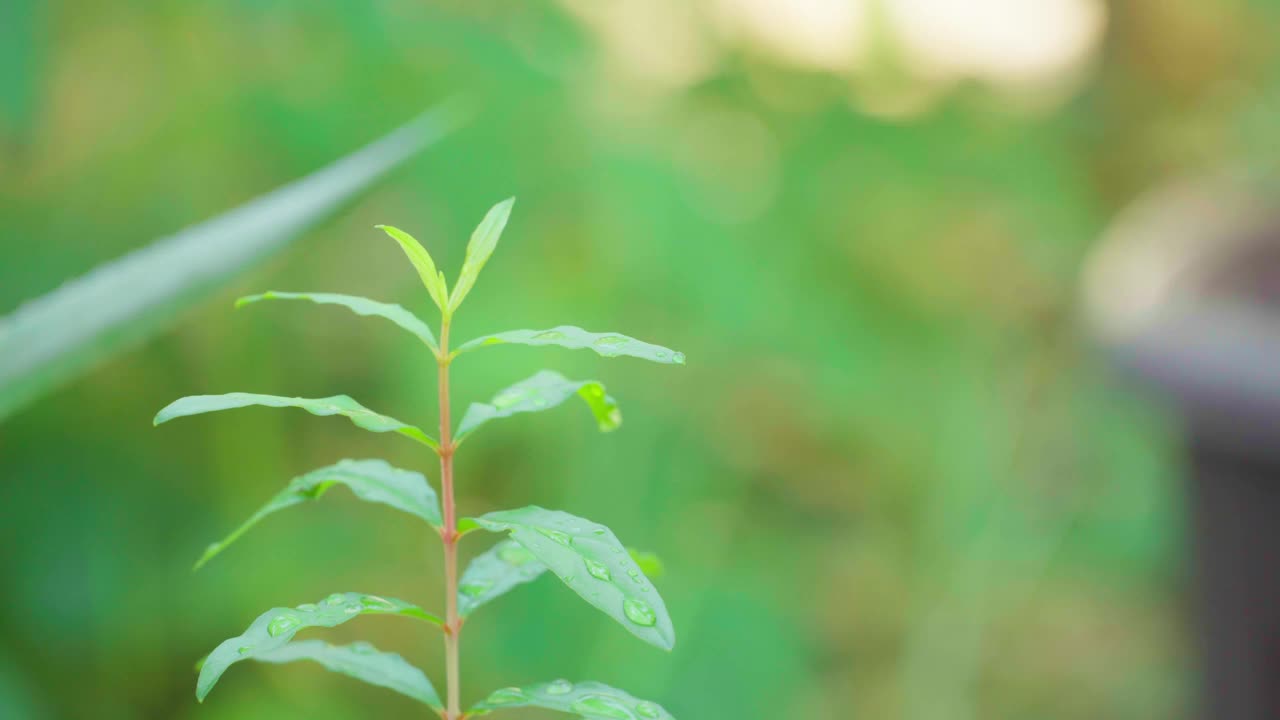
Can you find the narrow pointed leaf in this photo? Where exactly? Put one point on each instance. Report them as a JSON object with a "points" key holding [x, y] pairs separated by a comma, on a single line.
{"points": [[361, 661], [342, 405], [276, 627], [483, 241], [358, 305], [591, 561], [493, 573], [370, 480], [66, 332], [432, 279], [575, 338], [591, 700], [543, 391]]}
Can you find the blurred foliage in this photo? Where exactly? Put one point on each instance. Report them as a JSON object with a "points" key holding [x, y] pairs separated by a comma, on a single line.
{"points": [[892, 481]]}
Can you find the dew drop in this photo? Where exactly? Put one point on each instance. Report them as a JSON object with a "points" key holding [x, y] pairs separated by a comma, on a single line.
{"points": [[556, 535], [600, 707], [373, 602], [598, 570], [514, 555], [307, 607], [639, 612], [599, 531], [506, 696], [283, 624], [647, 709], [244, 649], [549, 335], [475, 589], [559, 687], [678, 358], [608, 340], [335, 599], [351, 609], [660, 354]]}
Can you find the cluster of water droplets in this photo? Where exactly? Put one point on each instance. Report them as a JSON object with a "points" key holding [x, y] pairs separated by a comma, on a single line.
{"points": [[593, 705], [634, 609]]}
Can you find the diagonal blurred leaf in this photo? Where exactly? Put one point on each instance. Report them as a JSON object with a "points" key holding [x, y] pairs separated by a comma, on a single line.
{"points": [[59, 335], [575, 338], [277, 626], [342, 405], [591, 561], [357, 305], [542, 391], [361, 661], [370, 480], [494, 572], [590, 700]]}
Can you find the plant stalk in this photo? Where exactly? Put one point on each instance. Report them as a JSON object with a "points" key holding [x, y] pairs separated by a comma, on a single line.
{"points": [[453, 625]]}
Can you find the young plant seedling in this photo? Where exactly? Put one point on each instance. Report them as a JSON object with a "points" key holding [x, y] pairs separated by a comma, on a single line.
{"points": [[585, 555]]}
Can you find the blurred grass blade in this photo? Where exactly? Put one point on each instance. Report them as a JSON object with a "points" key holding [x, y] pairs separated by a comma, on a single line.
{"points": [[591, 700], [370, 480], [575, 338], [342, 405], [361, 661], [277, 626], [483, 241], [357, 305], [591, 561], [494, 572], [57, 336], [544, 390], [432, 279]]}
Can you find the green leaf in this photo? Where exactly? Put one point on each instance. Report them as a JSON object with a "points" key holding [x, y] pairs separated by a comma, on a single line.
{"points": [[591, 561], [66, 332], [276, 627], [575, 338], [343, 405], [493, 573], [358, 305], [432, 278], [591, 700], [483, 241], [543, 391], [361, 661], [370, 480]]}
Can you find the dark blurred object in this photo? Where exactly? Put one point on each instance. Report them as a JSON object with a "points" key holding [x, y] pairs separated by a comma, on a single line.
{"points": [[1186, 292]]}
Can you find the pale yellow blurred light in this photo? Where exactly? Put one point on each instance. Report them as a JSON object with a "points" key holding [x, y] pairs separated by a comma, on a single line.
{"points": [[1015, 42], [660, 42], [818, 34]]}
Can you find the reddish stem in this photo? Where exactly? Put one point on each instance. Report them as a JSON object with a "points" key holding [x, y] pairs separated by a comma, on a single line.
{"points": [[453, 625]]}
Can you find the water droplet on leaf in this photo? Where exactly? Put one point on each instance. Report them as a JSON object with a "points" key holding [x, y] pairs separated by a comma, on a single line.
{"points": [[600, 706], [282, 624], [549, 335], [506, 696], [514, 555], [307, 607], [648, 710], [475, 589], [598, 570], [639, 612], [559, 687], [373, 602], [556, 535]]}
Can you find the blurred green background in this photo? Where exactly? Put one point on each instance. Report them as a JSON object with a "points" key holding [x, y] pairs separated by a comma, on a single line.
{"points": [[894, 479]]}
